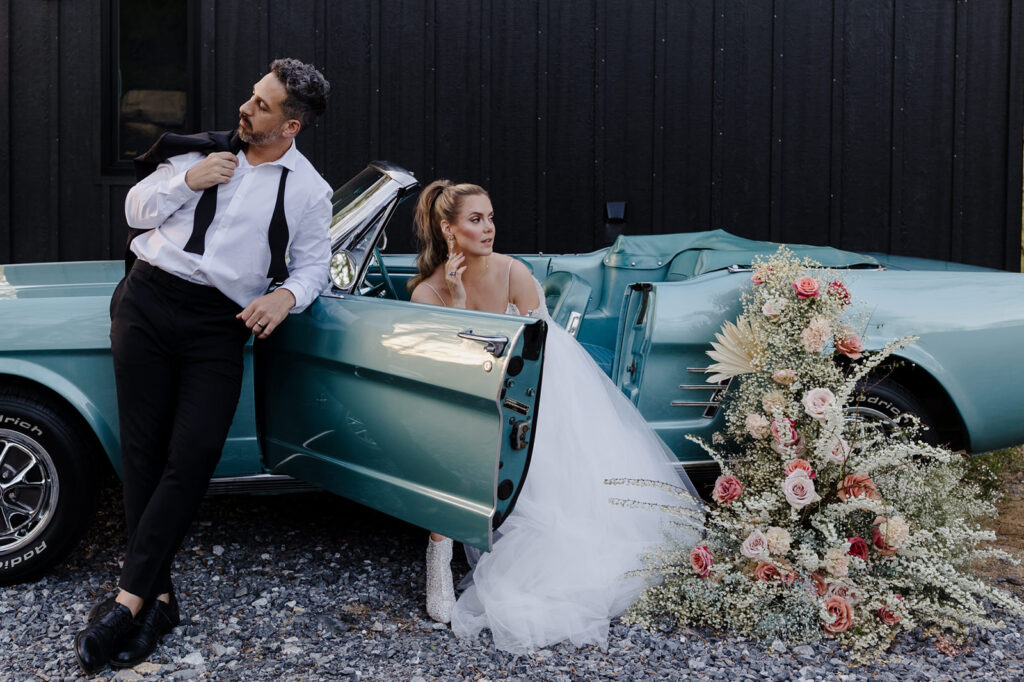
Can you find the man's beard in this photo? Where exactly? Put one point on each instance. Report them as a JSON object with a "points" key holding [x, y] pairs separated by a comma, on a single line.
{"points": [[252, 137]]}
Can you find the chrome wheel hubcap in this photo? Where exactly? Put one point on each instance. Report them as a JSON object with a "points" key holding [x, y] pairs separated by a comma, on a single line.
{"points": [[28, 490], [868, 419]]}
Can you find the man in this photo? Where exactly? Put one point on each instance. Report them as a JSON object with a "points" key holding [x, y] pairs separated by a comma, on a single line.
{"points": [[213, 232]]}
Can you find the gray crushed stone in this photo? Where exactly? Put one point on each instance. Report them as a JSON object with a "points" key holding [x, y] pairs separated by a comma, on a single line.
{"points": [[312, 587]]}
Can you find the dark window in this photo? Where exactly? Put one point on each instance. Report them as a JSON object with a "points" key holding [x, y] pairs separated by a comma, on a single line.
{"points": [[151, 76]]}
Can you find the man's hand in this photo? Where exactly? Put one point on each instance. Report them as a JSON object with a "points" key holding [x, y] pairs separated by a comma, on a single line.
{"points": [[264, 314], [215, 169]]}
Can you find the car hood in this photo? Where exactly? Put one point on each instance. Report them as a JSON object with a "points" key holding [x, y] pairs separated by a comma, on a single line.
{"points": [[50, 280]]}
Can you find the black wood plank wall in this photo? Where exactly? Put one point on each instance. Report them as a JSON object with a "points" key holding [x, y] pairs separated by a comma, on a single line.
{"points": [[890, 125]]}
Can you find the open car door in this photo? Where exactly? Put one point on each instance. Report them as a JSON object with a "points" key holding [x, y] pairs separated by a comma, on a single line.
{"points": [[422, 412]]}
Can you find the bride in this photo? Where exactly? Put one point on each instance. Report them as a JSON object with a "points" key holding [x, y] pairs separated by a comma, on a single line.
{"points": [[557, 568]]}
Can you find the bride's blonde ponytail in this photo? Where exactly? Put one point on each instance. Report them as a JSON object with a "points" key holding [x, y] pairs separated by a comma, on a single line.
{"points": [[440, 200]]}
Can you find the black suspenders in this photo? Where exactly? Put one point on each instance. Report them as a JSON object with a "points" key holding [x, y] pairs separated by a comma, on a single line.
{"points": [[277, 233]]}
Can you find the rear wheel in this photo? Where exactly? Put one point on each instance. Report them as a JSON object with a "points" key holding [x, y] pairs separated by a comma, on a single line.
{"points": [[47, 484], [882, 402]]}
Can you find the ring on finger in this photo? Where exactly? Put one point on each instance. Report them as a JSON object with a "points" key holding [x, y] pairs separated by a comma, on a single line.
{"points": [[260, 325], [452, 273]]}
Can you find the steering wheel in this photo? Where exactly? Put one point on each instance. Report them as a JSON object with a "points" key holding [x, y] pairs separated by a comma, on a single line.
{"points": [[386, 286]]}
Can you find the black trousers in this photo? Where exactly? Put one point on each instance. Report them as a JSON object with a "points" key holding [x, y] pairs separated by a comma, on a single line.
{"points": [[178, 366]]}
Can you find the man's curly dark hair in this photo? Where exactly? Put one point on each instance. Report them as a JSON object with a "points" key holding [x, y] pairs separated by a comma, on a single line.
{"points": [[307, 89]]}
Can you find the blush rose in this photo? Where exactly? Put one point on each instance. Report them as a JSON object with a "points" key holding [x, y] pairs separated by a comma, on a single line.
{"points": [[784, 377], [858, 485], [842, 615], [799, 489], [755, 547], [806, 287], [850, 345], [818, 401], [727, 489], [701, 560], [795, 464]]}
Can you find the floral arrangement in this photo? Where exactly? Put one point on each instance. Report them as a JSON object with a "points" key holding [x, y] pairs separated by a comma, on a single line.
{"points": [[821, 525]]}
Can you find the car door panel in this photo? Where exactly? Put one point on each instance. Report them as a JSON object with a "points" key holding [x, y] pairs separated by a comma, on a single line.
{"points": [[383, 402]]}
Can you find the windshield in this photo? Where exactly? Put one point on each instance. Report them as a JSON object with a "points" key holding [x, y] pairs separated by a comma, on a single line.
{"points": [[362, 208]]}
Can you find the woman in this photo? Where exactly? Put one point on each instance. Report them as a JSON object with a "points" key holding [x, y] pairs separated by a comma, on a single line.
{"points": [[557, 568]]}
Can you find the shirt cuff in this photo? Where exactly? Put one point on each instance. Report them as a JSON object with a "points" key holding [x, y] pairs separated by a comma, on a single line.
{"points": [[301, 294], [178, 190]]}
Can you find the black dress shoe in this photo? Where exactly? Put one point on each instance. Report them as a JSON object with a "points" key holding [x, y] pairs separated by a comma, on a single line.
{"points": [[102, 608], [155, 621], [95, 644]]}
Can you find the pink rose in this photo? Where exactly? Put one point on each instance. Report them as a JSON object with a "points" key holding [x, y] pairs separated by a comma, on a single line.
{"points": [[795, 464], [784, 431], [727, 489], [850, 345], [760, 275], [786, 439], [888, 616], [819, 584], [787, 574], [881, 545], [701, 560], [842, 615], [755, 546], [817, 402], [840, 451], [858, 547], [784, 377], [858, 485], [806, 287], [839, 291], [846, 590], [799, 489], [766, 572]]}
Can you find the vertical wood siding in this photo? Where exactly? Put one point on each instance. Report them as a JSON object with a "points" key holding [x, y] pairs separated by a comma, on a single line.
{"points": [[889, 125]]}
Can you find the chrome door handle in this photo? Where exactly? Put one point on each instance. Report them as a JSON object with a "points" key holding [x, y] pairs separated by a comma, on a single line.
{"points": [[495, 345]]}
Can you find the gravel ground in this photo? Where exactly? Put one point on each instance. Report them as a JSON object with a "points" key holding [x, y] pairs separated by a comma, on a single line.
{"points": [[311, 587]]}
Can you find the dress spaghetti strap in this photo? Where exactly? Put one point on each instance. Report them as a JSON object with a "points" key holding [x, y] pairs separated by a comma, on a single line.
{"points": [[508, 286], [438, 294]]}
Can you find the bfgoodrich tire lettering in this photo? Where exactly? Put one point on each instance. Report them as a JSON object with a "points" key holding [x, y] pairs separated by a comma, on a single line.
{"points": [[47, 484], [884, 399]]}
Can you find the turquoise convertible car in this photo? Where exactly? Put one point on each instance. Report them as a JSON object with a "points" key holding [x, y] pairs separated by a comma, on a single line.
{"points": [[357, 395]]}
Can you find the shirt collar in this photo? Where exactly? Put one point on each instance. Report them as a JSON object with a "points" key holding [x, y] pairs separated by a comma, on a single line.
{"points": [[288, 159]]}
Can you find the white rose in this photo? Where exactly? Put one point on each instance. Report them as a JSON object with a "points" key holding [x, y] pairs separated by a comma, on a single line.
{"points": [[755, 546], [772, 308], [818, 401], [799, 489]]}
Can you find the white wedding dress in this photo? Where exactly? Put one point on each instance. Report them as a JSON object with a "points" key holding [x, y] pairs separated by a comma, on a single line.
{"points": [[557, 568]]}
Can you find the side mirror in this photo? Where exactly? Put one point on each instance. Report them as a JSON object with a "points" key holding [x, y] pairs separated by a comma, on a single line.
{"points": [[343, 269]]}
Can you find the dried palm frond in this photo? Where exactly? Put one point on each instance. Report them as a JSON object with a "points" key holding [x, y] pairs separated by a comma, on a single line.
{"points": [[735, 351]]}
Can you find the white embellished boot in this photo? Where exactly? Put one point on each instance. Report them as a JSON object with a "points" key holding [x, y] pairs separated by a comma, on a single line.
{"points": [[440, 590]]}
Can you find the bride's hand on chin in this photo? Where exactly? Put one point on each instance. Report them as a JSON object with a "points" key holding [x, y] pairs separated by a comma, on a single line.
{"points": [[453, 270]]}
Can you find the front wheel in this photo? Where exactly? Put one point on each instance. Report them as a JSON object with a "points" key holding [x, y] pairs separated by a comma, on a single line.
{"points": [[47, 484]]}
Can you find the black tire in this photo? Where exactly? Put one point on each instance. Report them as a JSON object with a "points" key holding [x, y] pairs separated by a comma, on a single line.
{"points": [[43, 517], [882, 400]]}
